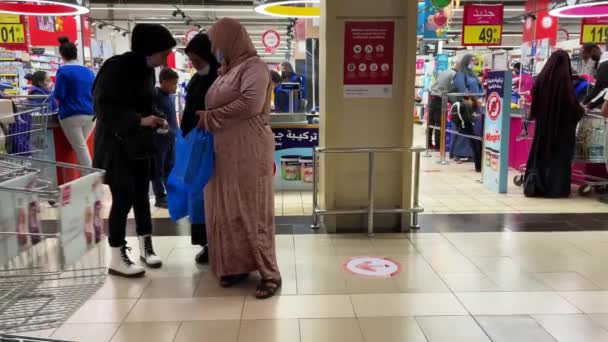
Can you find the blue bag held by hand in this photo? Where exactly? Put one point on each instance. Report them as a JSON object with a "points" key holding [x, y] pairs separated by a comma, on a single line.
{"points": [[192, 170]]}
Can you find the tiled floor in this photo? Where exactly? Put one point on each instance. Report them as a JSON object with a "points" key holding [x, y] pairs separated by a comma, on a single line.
{"points": [[454, 287]]}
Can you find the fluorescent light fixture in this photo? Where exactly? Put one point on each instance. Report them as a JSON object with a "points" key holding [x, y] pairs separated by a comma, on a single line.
{"points": [[45, 7], [289, 8], [579, 8]]}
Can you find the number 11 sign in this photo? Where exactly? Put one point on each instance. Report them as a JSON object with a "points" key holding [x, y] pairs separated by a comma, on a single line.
{"points": [[482, 25], [594, 30]]}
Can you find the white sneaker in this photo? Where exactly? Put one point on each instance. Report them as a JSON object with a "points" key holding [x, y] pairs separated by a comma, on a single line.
{"points": [[147, 252], [121, 265]]}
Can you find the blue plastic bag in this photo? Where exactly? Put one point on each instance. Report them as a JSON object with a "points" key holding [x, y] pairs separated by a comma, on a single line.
{"points": [[192, 170]]}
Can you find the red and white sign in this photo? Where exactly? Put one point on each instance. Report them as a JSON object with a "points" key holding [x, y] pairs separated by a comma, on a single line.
{"points": [[368, 59], [373, 267], [544, 26], [494, 106], [271, 40], [482, 25]]}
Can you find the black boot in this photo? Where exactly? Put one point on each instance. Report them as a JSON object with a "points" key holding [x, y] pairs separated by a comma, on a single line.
{"points": [[203, 256]]}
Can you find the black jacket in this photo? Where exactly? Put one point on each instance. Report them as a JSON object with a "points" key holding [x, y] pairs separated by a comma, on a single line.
{"points": [[123, 93], [601, 84], [196, 91]]}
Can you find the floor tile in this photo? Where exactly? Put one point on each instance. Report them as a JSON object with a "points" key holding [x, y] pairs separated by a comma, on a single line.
{"points": [[282, 330], [86, 332], [588, 302], [513, 329], [215, 331], [569, 281], [146, 332], [391, 329], [45, 333], [572, 328], [407, 304], [186, 309], [600, 319], [286, 307], [469, 282], [120, 288], [103, 311], [209, 286], [515, 303], [330, 330], [171, 288], [452, 329]]}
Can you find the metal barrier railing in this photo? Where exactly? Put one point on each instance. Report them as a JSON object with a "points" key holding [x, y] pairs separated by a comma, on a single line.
{"points": [[371, 210]]}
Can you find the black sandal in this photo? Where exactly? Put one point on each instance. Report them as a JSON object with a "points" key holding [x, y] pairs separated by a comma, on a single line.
{"points": [[268, 288], [230, 281]]}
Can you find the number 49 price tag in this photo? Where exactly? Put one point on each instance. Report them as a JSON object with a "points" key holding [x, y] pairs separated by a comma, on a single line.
{"points": [[12, 34], [482, 35]]}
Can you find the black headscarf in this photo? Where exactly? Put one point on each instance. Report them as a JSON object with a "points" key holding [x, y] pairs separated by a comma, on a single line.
{"points": [[554, 104], [147, 39]]}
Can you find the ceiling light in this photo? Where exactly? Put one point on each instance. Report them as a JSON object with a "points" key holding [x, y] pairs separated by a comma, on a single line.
{"points": [[165, 9], [45, 7], [289, 8], [579, 8]]}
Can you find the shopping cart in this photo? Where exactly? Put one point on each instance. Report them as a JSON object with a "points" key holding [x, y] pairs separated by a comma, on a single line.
{"points": [[24, 131], [51, 259], [591, 140]]}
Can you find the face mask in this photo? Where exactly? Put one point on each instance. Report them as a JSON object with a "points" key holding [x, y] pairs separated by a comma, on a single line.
{"points": [[204, 71], [471, 66], [219, 56]]}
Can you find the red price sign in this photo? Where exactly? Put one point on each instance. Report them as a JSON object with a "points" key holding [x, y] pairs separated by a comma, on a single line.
{"points": [[482, 25]]}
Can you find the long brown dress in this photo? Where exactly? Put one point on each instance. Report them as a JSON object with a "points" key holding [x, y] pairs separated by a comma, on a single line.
{"points": [[239, 199]]}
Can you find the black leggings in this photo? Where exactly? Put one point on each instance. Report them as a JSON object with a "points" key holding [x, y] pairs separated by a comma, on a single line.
{"points": [[199, 232], [127, 195]]}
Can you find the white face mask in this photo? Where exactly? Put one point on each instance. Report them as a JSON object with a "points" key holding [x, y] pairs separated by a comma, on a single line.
{"points": [[204, 71], [471, 66], [219, 56]]}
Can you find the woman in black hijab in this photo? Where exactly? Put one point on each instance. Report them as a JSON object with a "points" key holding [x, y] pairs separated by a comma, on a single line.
{"points": [[557, 113], [199, 52]]}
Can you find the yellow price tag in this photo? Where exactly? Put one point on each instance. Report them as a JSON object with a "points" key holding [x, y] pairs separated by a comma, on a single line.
{"points": [[594, 34], [9, 19], [12, 33], [482, 35]]}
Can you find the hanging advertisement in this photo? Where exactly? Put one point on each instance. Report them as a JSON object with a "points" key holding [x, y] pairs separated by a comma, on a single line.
{"points": [[12, 32], [435, 22], [44, 31], [368, 59], [80, 200], [496, 131], [594, 30], [482, 25]]}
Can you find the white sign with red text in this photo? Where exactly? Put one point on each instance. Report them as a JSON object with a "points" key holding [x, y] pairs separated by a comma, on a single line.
{"points": [[373, 267]]}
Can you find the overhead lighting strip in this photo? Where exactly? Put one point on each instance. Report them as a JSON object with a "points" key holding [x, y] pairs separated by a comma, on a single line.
{"points": [[289, 8]]}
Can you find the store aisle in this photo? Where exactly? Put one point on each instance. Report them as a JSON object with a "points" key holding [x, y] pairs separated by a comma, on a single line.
{"points": [[453, 287]]}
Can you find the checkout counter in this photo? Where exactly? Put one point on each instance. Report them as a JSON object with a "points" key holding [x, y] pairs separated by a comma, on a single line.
{"points": [[295, 137]]}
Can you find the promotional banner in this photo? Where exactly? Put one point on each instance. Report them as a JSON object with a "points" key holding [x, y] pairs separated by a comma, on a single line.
{"points": [[368, 59], [594, 30], [80, 216], [14, 217], [293, 156], [44, 30], [496, 131], [538, 23], [421, 19], [12, 32], [435, 21], [482, 25]]}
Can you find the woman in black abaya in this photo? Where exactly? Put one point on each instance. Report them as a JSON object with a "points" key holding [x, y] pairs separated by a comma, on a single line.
{"points": [[557, 113]]}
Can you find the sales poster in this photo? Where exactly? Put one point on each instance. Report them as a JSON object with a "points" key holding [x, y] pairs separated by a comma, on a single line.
{"points": [[293, 157], [14, 217], [431, 30], [594, 30], [496, 131], [482, 25], [44, 31], [368, 59], [79, 207], [12, 32], [538, 23]]}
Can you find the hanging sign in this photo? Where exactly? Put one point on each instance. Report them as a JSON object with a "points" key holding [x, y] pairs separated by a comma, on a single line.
{"points": [[482, 25], [368, 59], [594, 30], [271, 40], [435, 22], [496, 131], [12, 32]]}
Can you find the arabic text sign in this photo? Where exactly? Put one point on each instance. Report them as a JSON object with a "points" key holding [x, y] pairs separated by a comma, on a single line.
{"points": [[482, 25], [372, 267], [286, 138], [496, 131], [594, 30]]}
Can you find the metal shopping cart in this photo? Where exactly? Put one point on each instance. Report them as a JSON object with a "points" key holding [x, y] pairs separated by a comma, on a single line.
{"points": [[51, 259], [591, 142], [24, 131]]}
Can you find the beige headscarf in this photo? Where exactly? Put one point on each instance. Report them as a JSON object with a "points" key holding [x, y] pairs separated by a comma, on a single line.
{"points": [[232, 39]]}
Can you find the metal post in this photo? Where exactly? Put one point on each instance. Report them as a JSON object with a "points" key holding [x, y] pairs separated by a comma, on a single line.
{"points": [[444, 119], [315, 216], [429, 136], [370, 195], [415, 223]]}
